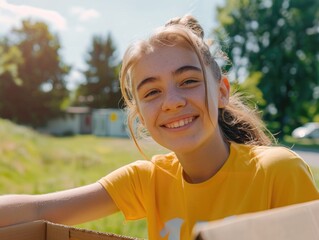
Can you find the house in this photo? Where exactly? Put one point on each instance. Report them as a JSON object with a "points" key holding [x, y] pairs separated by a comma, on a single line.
{"points": [[76, 120], [83, 120], [109, 122]]}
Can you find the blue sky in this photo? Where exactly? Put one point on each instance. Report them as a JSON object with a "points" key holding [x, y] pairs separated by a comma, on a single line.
{"points": [[76, 21]]}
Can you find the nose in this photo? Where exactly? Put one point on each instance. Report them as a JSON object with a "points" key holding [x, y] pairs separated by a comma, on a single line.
{"points": [[173, 100]]}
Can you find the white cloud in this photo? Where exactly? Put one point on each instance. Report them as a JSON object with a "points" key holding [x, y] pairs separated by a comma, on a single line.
{"points": [[85, 14], [79, 29], [11, 14]]}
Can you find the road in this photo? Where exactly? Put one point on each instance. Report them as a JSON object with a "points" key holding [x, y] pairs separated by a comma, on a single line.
{"points": [[311, 157]]}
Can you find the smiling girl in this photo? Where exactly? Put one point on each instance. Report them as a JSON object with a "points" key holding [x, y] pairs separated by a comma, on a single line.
{"points": [[221, 161]]}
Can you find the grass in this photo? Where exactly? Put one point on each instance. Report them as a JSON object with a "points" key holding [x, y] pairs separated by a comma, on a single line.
{"points": [[34, 163], [304, 143]]}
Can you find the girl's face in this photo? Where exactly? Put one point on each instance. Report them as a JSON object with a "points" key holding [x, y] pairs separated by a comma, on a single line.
{"points": [[169, 88]]}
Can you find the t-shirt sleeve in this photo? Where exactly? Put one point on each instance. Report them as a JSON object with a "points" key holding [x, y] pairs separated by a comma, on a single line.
{"points": [[293, 181], [127, 186]]}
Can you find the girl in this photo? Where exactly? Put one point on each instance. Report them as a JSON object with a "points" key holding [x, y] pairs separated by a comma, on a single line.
{"points": [[222, 162]]}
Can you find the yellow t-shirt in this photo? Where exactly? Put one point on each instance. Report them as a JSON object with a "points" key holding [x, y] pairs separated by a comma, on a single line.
{"points": [[253, 178]]}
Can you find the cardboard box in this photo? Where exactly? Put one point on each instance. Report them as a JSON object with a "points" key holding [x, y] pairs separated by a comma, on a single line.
{"points": [[43, 230], [295, 222]]}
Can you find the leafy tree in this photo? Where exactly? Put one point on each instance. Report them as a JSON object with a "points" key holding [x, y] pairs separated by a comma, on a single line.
{"points": [[101, 89], [249, 89], [37, 87], [10, 60], [279, 39]]}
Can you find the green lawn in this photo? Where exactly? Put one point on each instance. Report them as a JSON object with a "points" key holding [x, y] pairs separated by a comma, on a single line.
{"points": [[304, 143], [34, 163]]}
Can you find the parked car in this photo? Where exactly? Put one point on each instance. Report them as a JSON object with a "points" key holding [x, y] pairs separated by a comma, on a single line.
{"points": [[309, 130]]}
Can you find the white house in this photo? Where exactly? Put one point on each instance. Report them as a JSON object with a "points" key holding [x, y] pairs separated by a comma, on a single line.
{"points": [[77, 120], [109, 122]]}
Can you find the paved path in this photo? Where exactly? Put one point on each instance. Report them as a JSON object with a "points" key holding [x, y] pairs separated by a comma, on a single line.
{"points": [[311, 157]]}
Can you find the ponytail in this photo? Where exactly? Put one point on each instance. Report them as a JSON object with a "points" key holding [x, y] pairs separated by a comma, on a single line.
{"points": [[242, 124]]}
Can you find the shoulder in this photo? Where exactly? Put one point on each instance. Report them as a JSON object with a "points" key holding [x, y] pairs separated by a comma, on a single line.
{"points": [[166, 163], [269, 156], [165, 160], [162, 162], [276, 155], [279, 159]]}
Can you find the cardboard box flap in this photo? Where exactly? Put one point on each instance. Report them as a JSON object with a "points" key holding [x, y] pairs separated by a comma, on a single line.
{"points": [[76, 234], [43, 230], [26, 231], [295, 222], [72, 233], [57, 232]]}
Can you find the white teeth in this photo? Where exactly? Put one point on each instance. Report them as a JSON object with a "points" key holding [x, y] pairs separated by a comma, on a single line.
{"points": [[180, 123]]}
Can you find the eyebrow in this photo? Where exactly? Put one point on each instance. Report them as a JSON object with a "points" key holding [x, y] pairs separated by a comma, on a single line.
{"points": [[186, 68], [178, 71], [145, 81]]}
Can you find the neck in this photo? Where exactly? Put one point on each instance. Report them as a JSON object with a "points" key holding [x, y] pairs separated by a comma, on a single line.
{"points": [[203, 164]]}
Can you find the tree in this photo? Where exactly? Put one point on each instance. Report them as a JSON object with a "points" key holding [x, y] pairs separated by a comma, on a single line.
{"points": [[101, 89], [37, 89], [280, 40], [10, 60]]}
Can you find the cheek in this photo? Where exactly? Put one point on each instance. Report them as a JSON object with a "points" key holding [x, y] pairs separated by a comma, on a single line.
{"points": [[146, 113]]}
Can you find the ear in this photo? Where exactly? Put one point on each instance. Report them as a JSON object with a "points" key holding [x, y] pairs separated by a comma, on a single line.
{"points": [[224, 90]]}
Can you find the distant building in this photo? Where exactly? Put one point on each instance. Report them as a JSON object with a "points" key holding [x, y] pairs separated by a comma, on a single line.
{"points": [[83, 120], [109, 122], [77, 120]]}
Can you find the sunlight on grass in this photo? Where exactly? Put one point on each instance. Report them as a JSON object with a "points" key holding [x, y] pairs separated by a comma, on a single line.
{"points": [[302, 143], [33, 163]]}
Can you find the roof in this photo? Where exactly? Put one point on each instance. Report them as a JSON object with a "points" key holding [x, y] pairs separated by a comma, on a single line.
{"points": [[79, 110]]}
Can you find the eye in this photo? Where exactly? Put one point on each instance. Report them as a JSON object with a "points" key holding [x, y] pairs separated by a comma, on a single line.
{"points": [[189, 82], [151, 93]]}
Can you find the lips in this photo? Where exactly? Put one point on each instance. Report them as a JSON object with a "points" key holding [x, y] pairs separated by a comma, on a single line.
{"points": [[179, 123]]}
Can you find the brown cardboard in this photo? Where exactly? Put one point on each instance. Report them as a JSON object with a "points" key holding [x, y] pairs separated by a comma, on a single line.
{"points": [[43, 230], [295, 222]]}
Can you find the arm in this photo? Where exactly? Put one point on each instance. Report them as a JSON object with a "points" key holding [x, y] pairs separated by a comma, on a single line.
{"points": [[70, 207]]}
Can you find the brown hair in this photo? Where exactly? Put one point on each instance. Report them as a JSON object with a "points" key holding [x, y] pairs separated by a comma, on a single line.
{"points": [[238, 122]]}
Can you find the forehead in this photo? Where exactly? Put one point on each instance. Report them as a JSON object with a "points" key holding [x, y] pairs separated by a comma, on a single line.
{"points": [[162, 61]]}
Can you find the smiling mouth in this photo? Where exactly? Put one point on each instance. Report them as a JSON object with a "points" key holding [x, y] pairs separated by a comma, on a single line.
{"points": [[179, 123]]}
